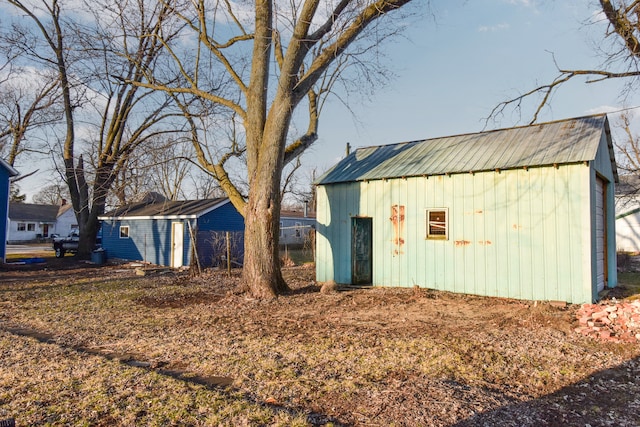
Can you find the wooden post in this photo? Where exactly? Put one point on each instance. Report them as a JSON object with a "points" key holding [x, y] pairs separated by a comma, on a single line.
{"points": [[228, 253]]}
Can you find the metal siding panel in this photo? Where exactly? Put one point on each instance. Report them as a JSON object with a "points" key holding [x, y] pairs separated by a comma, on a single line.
{"points": [[567, 219], [324, 260], [415, 227], [545, 271], [523, 227], [445, 198], [342, 249], [579, 233], [382, 235], [588, 289], [527, 235], [467, 250], [479, 221]]}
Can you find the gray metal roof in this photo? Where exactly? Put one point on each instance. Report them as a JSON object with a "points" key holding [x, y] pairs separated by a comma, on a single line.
{"points": [[166, 208], [32, 212], [560, 142]]}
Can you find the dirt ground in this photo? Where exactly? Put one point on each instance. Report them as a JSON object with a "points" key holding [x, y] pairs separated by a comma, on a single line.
{"points": [[393, 356]]}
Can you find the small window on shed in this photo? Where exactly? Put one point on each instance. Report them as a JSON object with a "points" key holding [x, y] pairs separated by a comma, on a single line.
{"points": [[124, 231], [31, 227], [437, 223], [22, 226]]}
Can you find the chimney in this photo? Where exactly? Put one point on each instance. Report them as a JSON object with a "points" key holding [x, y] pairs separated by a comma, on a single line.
{"points": [[306, 208], [348, 150]]}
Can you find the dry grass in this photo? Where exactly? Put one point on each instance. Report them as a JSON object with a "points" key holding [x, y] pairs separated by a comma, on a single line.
{"points": [[101, 346]]}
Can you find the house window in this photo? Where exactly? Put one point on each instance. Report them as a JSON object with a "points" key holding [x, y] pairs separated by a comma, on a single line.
{"points": [[31, 227], [437, 223], [281, 230], [124, 231], [298, 232], [22, 226]]}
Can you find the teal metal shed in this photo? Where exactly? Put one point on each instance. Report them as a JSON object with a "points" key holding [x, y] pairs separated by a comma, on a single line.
{"points": [[524, 213]]}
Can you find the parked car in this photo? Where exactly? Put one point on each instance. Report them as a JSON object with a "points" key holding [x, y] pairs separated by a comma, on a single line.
{"points": [[63, 245]]}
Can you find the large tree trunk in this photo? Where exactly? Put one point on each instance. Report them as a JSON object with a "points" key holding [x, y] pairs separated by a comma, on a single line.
{"points": [[261, 255]]}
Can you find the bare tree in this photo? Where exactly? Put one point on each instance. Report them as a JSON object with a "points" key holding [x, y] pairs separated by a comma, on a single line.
{"points": [[112, 53], [622, 61], [52, 194], [28, 103], [162, 167], [272, 59]]}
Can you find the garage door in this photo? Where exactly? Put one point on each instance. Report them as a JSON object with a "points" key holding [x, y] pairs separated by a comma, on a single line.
{"points": [[601, 235]]}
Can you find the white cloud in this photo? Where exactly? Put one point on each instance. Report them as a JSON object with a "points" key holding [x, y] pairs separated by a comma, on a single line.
{"points": [[493, 28], [604, 109], [525, 3]]}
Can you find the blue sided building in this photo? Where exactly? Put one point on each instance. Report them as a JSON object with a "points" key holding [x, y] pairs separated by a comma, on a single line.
{"points": [[174, 233]]}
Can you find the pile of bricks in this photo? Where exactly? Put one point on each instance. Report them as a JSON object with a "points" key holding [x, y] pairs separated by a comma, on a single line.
{"points": [[613, 321]]}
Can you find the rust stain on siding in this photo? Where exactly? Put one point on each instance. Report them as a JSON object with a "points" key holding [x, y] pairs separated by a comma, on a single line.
{"points": [[397, 220], [462, 242], [485, 242]]}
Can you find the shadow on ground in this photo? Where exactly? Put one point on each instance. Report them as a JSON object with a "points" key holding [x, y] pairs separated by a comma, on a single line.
{"points": [[606, 398]]}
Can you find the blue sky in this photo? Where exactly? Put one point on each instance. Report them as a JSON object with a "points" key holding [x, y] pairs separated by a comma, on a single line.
{"points": [[456, 67], [455, 64]]}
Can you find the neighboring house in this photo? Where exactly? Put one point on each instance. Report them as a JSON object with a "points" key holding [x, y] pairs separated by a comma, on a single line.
{"points": [[31, 222], [6, 173], [163, 232], [628, 214], [66, 222], [524, 213], [295, 227]]}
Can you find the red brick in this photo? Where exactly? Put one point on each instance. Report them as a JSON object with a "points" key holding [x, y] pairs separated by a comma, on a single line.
{"points": [[599, 314]]}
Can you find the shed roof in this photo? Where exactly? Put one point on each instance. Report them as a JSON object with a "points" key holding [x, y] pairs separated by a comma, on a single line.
{"points": [[560, 142], [32, 212], [166, 209]]}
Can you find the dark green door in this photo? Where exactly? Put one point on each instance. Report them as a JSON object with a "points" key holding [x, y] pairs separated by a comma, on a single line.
{"points": [[361, 251]]}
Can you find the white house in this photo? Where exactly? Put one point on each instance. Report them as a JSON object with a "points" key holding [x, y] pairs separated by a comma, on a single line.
{"points": [[66, 222], [33, 222], [628, 214]]}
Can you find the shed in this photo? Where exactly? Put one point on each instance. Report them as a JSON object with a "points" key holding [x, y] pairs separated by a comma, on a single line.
{"points": [[164, 232], [524, 212], [6, 172]]}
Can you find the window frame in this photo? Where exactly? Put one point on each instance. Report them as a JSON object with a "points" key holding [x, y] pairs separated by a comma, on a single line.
{"points": [[31, 226], [21, 226], [445, 224], [125, 235]]}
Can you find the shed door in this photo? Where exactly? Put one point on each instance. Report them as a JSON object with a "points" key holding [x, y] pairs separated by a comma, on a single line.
{"points": [[361, 251], [601, 236], [177, 244]]}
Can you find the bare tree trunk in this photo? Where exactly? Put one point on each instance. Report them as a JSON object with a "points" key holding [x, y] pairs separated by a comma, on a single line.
{"points": [[261, 259]]}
